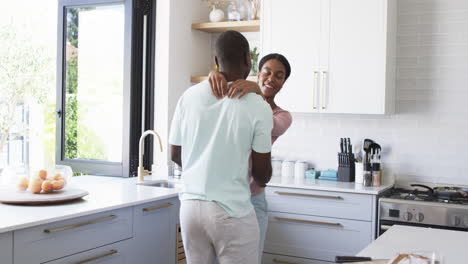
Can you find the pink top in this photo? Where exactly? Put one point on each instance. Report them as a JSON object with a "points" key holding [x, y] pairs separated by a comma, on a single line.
{"points": [[282, 119]]}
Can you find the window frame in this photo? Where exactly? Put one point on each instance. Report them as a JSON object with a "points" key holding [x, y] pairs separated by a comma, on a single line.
{"points": [[93, 167]]}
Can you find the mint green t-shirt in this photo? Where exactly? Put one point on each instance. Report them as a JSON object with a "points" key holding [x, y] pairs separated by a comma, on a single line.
{"points": [[217, 137]]}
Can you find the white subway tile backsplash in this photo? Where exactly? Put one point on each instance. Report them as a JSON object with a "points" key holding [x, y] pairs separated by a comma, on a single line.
{"points": [[407, 62], [454, 28], [441, 39], [417, 29], [415, 51], [440, 61], [417, 72], [418, 95], [409, 19], [431, 18], [408, 40]]}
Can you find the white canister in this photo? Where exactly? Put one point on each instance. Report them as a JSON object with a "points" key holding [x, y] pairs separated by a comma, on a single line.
{"points": [[358, 173], [300, 168], [287, 171], [276, 166]]}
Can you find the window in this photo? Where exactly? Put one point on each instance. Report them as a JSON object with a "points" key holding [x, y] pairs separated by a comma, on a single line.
{"points": [[27, 82], [102, 79], [73, 81]]}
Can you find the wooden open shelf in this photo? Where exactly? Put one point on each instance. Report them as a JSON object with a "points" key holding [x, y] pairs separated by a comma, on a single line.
{"points": [[197, 79], [218, 27]]}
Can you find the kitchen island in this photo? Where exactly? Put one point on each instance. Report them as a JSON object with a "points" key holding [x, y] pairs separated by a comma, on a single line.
{"points": [[119, 222], [407, 239], [105, 193]]}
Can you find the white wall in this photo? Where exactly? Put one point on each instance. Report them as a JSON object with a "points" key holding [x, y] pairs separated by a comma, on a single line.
{"points": [[178, 56], [427, 138]]}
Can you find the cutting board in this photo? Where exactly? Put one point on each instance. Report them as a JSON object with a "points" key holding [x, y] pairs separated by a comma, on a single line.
{"points": [[12, 196]]}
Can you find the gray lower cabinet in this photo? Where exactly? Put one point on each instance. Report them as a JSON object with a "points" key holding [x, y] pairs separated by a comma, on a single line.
{"points": [[6, 248], [64, 238], [315, 226], [116, 253], [279, 259], [154, 232], [316, 237]]}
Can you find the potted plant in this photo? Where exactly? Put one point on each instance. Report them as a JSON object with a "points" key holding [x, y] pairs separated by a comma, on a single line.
{"points": [[254, 59]]}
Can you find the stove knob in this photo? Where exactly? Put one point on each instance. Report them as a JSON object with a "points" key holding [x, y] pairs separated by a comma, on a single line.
{"points": [[456, 221], [408, 216], [419, 217]]}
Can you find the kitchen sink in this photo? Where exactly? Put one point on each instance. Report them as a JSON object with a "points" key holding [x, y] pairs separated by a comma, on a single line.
{"points": [[159, 183]]}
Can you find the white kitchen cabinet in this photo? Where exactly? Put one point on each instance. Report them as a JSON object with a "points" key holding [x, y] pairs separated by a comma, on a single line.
{"points": [[314, 226], [63, 238], [116, 253], [341, 54], [315, 237], [154, 232], [293, 29], [6, 248], [320, 203]]}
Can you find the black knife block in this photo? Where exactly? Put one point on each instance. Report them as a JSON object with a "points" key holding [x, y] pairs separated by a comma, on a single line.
{"points": [[346, 167]]}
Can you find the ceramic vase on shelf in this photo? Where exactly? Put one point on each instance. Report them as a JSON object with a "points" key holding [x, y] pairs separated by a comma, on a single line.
{"points": [[254, 13], [233, 12], [216, 15], [244, 8]]}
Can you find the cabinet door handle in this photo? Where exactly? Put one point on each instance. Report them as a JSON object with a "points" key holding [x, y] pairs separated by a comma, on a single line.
{"points": [[324, 90], [55, 230], [284, 261], [148, 209], [314, 92], [311, 195], [112, 252], [306, 221]]}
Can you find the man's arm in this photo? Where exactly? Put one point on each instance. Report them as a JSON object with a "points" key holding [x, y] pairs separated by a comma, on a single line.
{"points": [[261, 167], [176, 154]]}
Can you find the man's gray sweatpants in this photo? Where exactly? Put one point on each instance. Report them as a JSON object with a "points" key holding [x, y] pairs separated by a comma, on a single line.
{"points": [[209, 232]]}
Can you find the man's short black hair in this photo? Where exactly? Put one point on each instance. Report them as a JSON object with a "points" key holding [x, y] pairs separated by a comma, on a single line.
{"points": [[278, 57], [231, 48]]}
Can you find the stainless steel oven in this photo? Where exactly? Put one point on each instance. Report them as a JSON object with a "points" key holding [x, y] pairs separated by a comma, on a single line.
{"points": [[416, 207]]}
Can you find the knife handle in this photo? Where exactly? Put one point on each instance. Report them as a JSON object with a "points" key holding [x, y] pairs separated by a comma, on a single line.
{"points": [[350, 259]]}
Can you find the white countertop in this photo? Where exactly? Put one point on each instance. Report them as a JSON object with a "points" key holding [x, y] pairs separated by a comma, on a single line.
{"points": [[105, 193], [406, 239], [327, 185]]}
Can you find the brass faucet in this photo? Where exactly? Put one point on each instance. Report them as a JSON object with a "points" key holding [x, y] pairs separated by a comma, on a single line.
{"points": [[141, 170]]}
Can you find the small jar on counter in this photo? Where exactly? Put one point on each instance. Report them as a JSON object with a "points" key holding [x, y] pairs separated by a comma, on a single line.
{"points": [[367, 175], [287, 171], [300, 168], [276, 166]]}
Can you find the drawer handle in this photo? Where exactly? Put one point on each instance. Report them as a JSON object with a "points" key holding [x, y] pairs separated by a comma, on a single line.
{"points": [[112, 252], [283, 261], [307, 221], [149, 209], [311, 195], [110, 217]]}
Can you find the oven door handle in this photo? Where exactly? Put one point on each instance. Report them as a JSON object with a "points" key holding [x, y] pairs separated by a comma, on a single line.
{"points": [[385, 227]]}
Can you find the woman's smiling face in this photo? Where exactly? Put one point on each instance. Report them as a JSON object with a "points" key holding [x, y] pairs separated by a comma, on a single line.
{"points": [[271, 77]]}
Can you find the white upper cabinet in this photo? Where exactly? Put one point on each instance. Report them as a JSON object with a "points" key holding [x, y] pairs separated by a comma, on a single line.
{"points": [[341, 54], [294, 31]]}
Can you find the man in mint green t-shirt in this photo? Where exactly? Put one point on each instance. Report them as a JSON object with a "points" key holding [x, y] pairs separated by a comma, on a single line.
{"points": [[212, 140]]}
